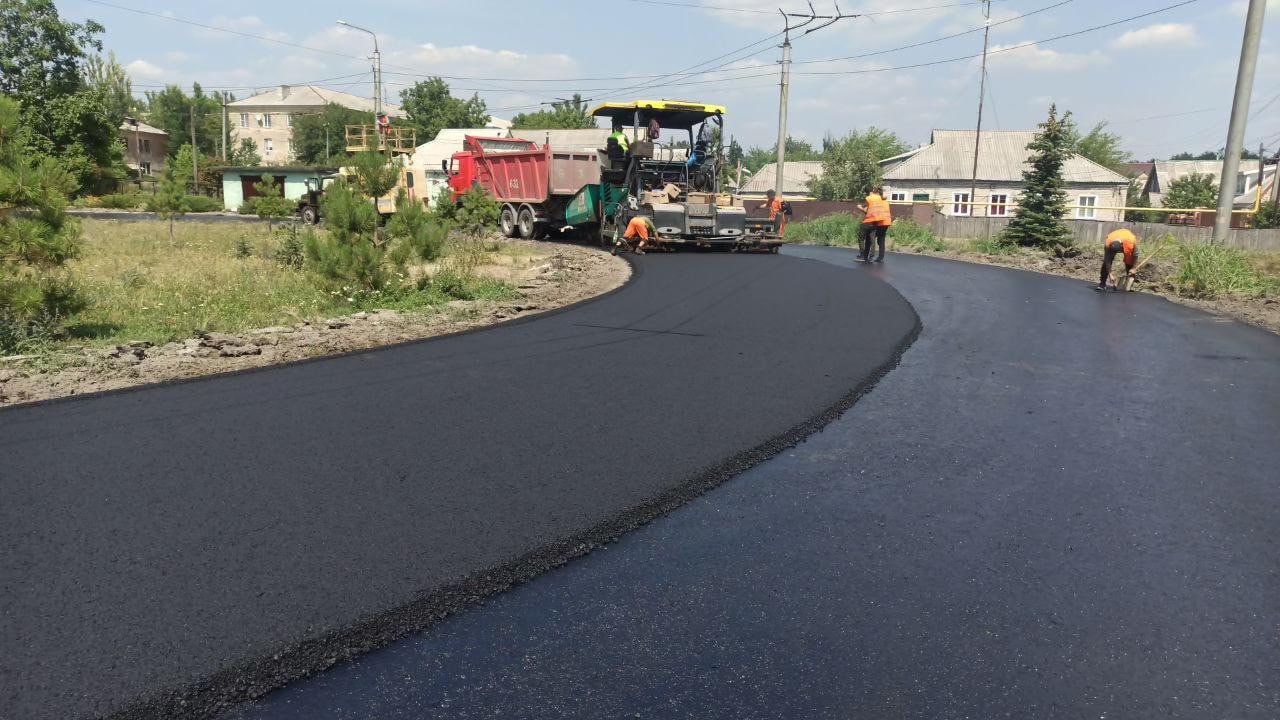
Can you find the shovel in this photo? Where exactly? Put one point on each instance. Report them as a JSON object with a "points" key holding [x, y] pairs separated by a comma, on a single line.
{"points": [[1127, 284]]}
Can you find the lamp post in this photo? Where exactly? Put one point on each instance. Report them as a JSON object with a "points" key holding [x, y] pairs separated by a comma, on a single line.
{"points": [[377, 69]]}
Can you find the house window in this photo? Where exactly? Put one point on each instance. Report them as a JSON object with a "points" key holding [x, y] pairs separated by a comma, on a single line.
{"points": [[920, 197], [1087, 209], [897, 197], [267, 146], [244, 120], [266, 120], [288, 120], [960, 204], [145, 167], [999, 205]]}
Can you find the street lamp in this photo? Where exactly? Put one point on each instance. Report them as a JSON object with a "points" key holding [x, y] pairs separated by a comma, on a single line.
{"points": [[377, 69]]}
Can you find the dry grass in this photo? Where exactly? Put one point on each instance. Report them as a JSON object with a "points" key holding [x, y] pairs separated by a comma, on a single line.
{"points": [[141, 287]]}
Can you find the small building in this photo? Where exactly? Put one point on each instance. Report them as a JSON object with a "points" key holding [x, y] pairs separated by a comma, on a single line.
{"points": [[239, 183], [580, 140], [145, 147], [942, 173], [1163, 175], [267, 118], [796, 175]]}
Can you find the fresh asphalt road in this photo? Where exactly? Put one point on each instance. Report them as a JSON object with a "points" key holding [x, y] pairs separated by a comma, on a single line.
{"points": [[173, 548], [1059, 505]]}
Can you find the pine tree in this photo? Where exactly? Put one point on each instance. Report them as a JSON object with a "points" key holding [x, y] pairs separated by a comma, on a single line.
{"points": [[170, 201], [36, 235], [1038, 221]]}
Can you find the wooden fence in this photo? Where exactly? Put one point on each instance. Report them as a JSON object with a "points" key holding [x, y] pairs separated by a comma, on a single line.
{"points": [[1092, 232]]}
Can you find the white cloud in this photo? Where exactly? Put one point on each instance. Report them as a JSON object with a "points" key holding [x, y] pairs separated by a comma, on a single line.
{"points": [[142, 69], [1033, 57], [1161, 35]]}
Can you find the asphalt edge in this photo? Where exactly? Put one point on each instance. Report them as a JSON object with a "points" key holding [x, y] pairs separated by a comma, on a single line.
{"points": [[223, 691], [635, 272]]}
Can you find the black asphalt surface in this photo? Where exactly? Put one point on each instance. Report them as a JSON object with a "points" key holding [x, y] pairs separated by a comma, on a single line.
{"points": [[173, 548], [1060, 504]]}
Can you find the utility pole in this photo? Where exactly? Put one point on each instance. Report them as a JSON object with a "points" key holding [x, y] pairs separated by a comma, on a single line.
{"points": [[377, 69], [195, 152], [1239, 118], [1262, 170], [785, 84], [223, 138], [782, 111], [982, 96], [1275, 179]]}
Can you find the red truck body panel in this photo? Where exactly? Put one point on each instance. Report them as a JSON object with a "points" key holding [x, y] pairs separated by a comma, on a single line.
{"points": [[518, 171]]}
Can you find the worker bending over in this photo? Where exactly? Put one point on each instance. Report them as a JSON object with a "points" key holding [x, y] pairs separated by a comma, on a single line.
{"points": [[776, 213], [1119, 241], [876, 219], [639, 230]]}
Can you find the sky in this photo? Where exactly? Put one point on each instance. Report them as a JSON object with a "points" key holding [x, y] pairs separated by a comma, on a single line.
{"points": [[1164, 82]]}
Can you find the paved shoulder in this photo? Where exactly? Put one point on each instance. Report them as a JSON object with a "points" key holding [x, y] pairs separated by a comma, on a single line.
{"points": [[263, 525]]}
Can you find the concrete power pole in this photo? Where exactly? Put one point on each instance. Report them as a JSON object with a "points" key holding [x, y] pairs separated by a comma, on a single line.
{"points": [[982, 96], [782, 111], [223, 138], [195, 153], [1239, 118]]}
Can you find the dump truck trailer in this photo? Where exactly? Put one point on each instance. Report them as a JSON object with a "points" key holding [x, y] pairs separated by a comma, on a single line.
{"points": [[532, 183]]}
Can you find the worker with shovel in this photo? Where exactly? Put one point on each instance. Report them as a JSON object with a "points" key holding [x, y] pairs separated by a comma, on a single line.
{"points": [[639, 230], [876, 219], [1120, 241]]}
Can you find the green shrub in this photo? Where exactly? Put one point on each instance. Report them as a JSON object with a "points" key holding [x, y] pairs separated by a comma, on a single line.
{"points": [[248, 207], [290, 251], [1210, 271], [998, 245], [203, 204], [121, 201], [243, 248], [912, 235], [836, 229], [418, 232], [477, 212], [347, 255]]}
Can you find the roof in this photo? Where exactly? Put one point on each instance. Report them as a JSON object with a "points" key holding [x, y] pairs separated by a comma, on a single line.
{"points": [[497, 122], [278, 169], [1002, 158], [1171, 170], [299, 97], [795, 178], [585, 139], [1136, 169], [670, 113], [447, 142], [136, 125]]}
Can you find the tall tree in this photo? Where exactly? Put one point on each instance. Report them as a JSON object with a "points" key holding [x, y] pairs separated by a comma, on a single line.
{"points": [[36, 235], [430, 109], [171, 109], [1192, 191], [318, 138], [42, 61], [1043, 202], [108, 77], [564, 115], [797, 150], [851, 165], [1098, 145]]}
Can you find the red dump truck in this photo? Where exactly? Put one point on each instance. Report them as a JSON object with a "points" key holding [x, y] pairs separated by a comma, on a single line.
{"points": [[533, 183]]}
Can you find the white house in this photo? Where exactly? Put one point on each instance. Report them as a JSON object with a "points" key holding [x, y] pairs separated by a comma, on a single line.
{"points": [[942, 172]]}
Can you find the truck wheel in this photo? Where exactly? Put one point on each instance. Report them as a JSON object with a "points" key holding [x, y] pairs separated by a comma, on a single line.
{"points": [[310, 216], [526, 222], [507, 221]]}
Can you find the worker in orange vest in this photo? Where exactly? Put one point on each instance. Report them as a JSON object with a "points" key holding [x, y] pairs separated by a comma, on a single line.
{"points": [[640, 227], [776, 213], [1118, 242], [876, 219]]}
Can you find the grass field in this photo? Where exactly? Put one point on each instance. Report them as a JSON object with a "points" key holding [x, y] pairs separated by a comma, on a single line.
{"points": [[230, 278]]}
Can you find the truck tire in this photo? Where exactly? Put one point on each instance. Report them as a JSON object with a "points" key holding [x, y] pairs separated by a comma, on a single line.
{"points": [[527, 223], [507, 221], [310, 215]]}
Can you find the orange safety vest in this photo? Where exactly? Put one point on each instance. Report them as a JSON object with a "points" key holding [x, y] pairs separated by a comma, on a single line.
{"points": [[878, 212], [775, 207], [1128, 243]]}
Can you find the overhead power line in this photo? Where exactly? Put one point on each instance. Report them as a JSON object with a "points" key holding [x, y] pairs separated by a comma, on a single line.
{"points": [[755, 11]]}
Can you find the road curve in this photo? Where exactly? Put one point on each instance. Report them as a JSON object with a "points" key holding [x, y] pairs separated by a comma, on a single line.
{"points": [[174, 548], [1060, 504]]}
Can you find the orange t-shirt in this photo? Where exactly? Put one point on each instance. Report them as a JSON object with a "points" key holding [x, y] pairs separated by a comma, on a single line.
{"points": [[638, 226], [1128, 243]]}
